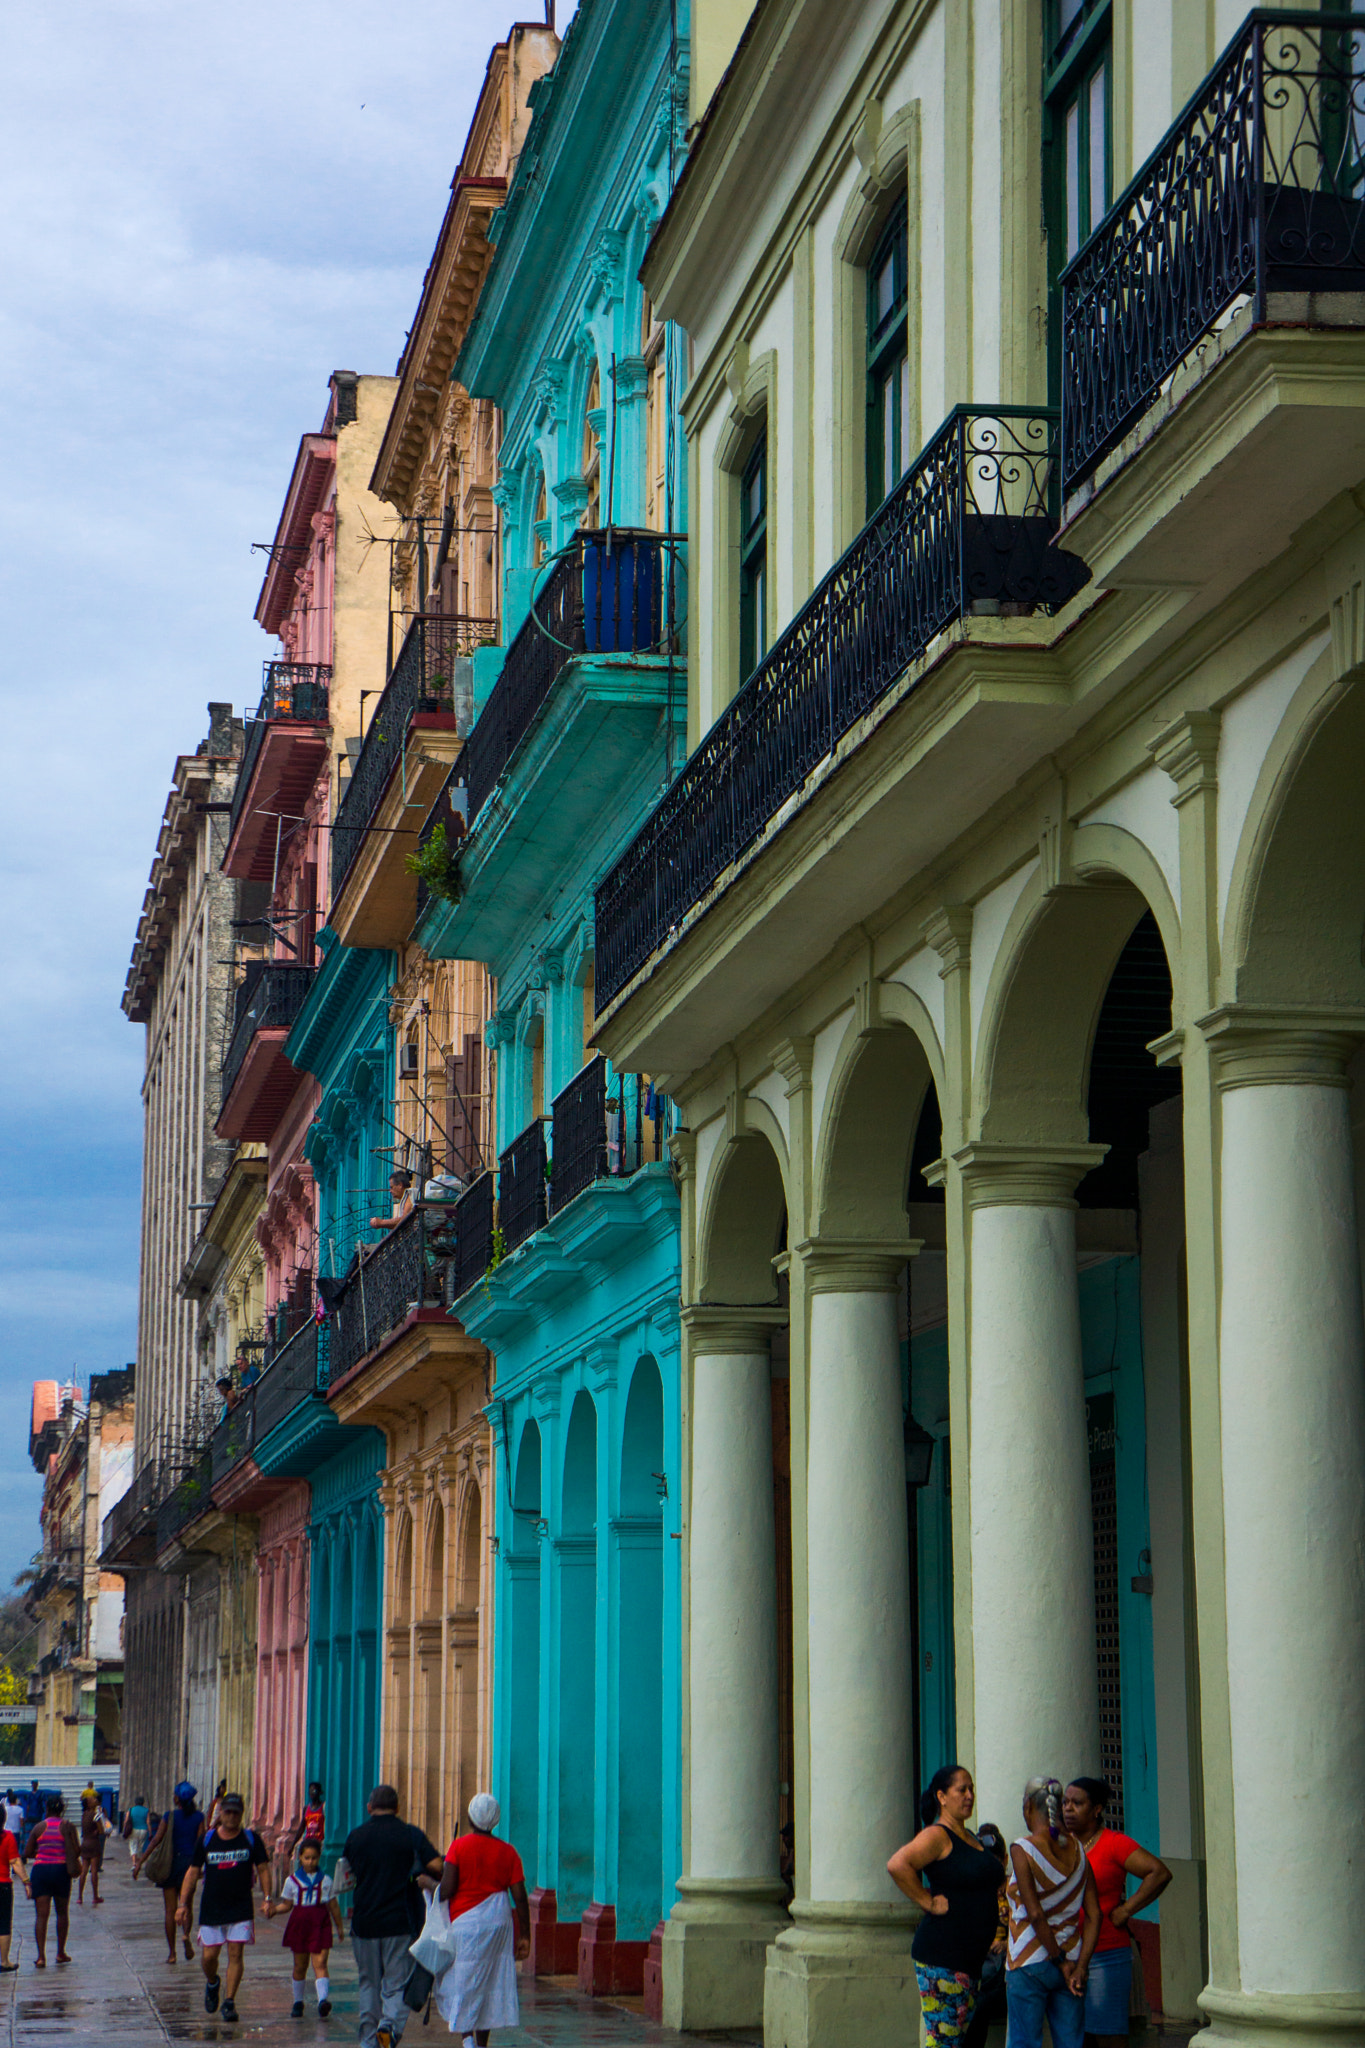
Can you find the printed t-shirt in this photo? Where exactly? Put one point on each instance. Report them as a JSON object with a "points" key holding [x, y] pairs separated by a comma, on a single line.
{"points": [[384, 1855], [9, 1852], [314, 1823], [483, 1865], [227, 1867], [1106, 1857]]}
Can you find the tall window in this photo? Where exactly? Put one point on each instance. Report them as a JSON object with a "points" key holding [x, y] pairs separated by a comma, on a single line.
{"points": [[542, 525], [753, 559], [888, 362], [592, 452], [1078, 172], [652, 348]]}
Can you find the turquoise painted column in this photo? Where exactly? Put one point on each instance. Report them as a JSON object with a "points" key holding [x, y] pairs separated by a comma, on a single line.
{"points": [[576, 1746], [637, 1533]]}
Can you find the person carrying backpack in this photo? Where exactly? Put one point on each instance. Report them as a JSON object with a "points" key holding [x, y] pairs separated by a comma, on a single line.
{"points": [[229, 1856]]}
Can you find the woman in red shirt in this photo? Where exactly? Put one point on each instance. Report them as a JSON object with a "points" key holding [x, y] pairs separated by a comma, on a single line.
{"points": [[1114, 1858], [479, 1990]]}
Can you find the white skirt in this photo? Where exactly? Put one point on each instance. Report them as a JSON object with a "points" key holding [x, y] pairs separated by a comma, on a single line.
{"points": [[479, 1989]]}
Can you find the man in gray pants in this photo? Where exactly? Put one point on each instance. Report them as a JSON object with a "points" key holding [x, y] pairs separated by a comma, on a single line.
{"points": [[386, 1856]]}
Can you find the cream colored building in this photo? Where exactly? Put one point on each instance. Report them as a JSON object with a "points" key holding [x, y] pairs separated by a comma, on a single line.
{"points": [[1005, 932]]}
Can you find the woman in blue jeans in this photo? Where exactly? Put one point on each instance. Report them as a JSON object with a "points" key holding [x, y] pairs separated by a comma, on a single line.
{"points": [[1054, 1915]]}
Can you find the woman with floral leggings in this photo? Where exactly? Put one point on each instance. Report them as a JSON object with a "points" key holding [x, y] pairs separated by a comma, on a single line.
{"points": [[956, 1882]]}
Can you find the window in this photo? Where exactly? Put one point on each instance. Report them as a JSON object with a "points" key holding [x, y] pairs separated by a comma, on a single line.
{"points": [[542, 528], [1078, 172], [753, 559], [888, 362], [592, 451], [653, 348]]}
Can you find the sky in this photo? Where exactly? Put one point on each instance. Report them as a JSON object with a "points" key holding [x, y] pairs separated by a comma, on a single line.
{"points": [[203, 212]]}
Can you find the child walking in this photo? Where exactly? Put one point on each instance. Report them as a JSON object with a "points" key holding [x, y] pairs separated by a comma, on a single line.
{"points": [[314, 1913]]}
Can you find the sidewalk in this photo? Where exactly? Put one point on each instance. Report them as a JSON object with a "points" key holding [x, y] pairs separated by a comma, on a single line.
{"points": [[120, 1989]]}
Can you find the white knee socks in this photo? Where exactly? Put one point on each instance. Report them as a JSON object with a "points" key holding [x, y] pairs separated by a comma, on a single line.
{"points": [[324, 1988]]}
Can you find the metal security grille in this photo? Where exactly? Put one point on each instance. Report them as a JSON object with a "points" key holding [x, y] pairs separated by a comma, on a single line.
{"points": [[1104, 1523]]}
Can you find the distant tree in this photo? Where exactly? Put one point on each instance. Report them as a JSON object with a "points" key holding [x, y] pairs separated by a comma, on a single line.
{"points": [[16, 1743], [18, 1630]]}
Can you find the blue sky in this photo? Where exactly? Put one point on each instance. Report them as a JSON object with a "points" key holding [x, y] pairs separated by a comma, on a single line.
{"points": [[203, 212]]}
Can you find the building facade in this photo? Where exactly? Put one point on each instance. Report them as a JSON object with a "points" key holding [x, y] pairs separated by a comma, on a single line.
{"points": [[574, 1288], [999, 944]]}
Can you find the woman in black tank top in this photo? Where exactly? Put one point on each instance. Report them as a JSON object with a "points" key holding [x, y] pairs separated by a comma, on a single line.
{"points": [[957, 1883]]}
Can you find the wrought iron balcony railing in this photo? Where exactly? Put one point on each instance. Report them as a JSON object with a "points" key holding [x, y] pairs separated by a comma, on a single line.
{"points": [[405, 1271], [234, 1437], [472, 1218], [186, 1501], [299, 1371], [522, 1182], [446, 816], [135, 1513], [605, 1127], [969, 527], [613, 590], [295, 690], [271, 996], [1257, 189], [431, 674]]}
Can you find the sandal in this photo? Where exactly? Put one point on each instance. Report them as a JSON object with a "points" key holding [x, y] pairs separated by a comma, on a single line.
{"points": [[64, 1959], [40, 1962]]}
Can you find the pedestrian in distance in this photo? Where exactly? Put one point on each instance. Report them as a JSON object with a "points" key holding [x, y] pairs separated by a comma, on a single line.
{"points": [[92, 1848], [186, 1825], [955, 1881], [1113, 1858], [313, 1826], [386, 1857], [481, 1883], [230, 1856], [1054, 1914], [216, 1803], [137, 1828], [314, 1915], [53, 1853], [10, 1861], [14, 1814]]}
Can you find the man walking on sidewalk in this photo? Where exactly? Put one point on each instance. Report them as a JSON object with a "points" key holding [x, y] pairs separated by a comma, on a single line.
{"points": [[230, 1856], [386, 1856]]}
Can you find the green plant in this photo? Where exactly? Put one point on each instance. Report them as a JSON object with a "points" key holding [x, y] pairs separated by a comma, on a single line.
{"points": [[434, 866]]}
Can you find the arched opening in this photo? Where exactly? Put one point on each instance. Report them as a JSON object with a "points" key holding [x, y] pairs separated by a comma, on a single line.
{"points": [[431, 1649], [591, 457], [639, 1568], [367, 1612], [402, 1570], [523, 1625], [577, 1559], [466, 1629], [338, 1679]]}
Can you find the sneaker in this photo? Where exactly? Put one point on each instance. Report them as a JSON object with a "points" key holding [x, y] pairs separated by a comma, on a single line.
{"points": [[211, 1996], [384, 2037], [324, 2008], [229, 2009], [296, 2010]]}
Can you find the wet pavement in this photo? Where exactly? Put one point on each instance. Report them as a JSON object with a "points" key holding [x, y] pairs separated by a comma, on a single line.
{"points": [[119, 1988]]}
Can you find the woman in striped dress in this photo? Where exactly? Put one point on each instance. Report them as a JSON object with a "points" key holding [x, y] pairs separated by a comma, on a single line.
{"points": [[1054, 1915]]}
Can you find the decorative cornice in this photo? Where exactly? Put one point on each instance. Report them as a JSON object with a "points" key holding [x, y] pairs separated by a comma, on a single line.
{"points": [[743, 1331], [854, 1265], [1272, 1047], [1035, 1176], [949, 932], [792, 1059], [1187, 749]]}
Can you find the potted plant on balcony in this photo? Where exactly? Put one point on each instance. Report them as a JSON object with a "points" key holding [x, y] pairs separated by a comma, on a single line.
{"points": [[434, 866]]}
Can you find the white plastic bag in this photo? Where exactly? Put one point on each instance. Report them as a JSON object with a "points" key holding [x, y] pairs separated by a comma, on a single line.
{"points": [[435, 1946]]}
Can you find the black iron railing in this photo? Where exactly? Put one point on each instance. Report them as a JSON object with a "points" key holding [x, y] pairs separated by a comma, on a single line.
{"points": [[299, 1371], [431, 674], [447, 816], [1257, 189], [135, 1514], [614, 590], [969, 527], [234, 1436], [297, 690], [605, 1125], [187, 1500], [271, 996], [522, 1185], [472, 1218], [405, 1271]]}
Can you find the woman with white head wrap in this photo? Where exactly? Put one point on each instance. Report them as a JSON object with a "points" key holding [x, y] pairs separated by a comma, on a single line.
{"points": [[482, 1881]]}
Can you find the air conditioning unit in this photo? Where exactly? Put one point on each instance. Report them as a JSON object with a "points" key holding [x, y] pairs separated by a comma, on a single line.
{"points": [[408, 1062]]}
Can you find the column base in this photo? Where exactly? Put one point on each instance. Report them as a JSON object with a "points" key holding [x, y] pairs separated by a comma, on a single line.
{"points": [[840, 1974], [715, 1950], [554, 1943], [1283, 2019], [654, 1976], [604, 1963]]}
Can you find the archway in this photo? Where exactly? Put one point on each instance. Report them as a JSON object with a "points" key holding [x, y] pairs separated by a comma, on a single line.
{"points": [[467, 1619], [523, 1630], [577, 1560], [640, 1656], [366, 1764], [430, 1675]]}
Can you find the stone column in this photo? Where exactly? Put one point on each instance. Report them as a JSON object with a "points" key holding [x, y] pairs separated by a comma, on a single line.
{"points": [[843, 1972], [731, 1900], [1035, 1690], [1292, 1399]]}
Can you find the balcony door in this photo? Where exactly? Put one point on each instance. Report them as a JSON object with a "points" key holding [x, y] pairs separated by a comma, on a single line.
{"points": [[888, 361], [1078, 166]]}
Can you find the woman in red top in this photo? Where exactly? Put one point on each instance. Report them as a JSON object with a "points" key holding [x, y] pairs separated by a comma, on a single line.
{"points": [[1114, 1858], [479, 1990]]}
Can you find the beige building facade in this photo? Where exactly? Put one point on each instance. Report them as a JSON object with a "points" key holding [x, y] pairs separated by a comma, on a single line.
{"points": [[1031, 968]]}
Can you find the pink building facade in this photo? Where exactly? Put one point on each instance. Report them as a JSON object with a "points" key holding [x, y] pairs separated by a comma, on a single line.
{"points": [[282, 1665]]}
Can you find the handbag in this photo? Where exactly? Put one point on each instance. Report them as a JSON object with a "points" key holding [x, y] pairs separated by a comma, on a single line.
{"points": [[418, 1989], [72, 1848], [160, 1862]]}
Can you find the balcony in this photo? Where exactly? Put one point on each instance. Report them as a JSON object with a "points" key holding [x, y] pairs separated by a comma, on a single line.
{"points": [[406, 1271], [394, 782], [129, 1532], [1256, 197], [258, 1081], [473, 1229], [234, 1438], [299, 1371], [286, 750], [969, 529], [604, 1128], [188, 1499], [523, 1178]]}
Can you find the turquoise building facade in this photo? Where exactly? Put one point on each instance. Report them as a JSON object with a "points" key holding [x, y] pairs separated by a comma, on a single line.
{"points": [[580, 724]]}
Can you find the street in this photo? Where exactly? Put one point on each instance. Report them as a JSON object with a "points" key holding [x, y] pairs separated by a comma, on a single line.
{"points": [[119, 1988]]}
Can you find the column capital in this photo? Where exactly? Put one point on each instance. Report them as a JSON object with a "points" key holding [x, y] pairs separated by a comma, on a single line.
{"points": [[1271, 1046], [720, 1329], [1036, 1176], [949, 932], [1187, 749], [855, 1265]]}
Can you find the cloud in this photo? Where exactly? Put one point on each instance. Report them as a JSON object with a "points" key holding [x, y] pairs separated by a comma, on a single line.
{"points": [[207, 210]]}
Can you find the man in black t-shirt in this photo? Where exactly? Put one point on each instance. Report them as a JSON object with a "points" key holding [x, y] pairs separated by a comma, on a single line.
{"points": [[229, 1856], [386, 1856]]}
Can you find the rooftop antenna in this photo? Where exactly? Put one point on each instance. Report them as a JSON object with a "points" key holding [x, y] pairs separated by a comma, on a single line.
{"points": [[549, 13]]}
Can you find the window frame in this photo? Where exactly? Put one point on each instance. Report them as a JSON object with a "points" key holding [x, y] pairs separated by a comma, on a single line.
{"points": [[1075, 57], [887, 350], [753, 560]]}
